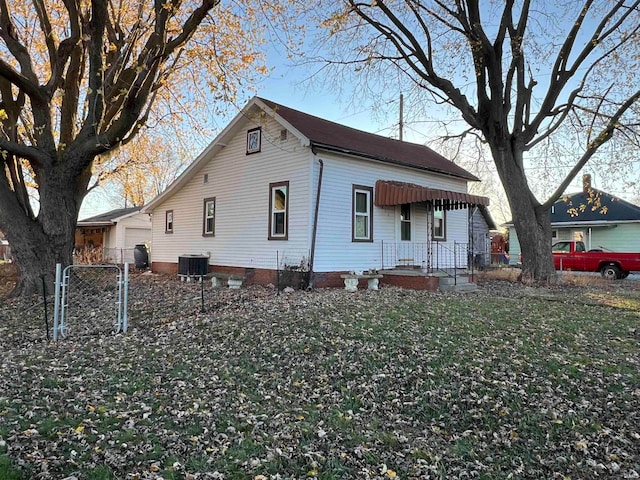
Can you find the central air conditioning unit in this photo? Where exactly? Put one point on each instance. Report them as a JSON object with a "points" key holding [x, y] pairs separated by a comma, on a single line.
{"points": [[193, 265]]}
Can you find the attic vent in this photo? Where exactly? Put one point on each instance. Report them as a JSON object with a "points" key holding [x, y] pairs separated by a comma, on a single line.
{"points": [[283, 134]]}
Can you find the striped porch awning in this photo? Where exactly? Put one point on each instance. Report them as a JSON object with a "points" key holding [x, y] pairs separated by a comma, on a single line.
{"points": [[390, 192]]}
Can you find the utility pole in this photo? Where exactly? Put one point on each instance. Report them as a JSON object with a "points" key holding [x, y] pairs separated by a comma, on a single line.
{"points": [[401, 123]]}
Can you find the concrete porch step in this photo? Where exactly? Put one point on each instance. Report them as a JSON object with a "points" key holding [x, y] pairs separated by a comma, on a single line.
{"points": [[459, 288], [459, 280], [460, 283]]}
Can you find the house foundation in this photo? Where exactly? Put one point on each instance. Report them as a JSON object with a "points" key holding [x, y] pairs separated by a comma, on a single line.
{"points": [[414, 280]]}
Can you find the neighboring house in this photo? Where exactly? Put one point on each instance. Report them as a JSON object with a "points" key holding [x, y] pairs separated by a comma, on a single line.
{"points": [[117, 232], [281, 189], [480, 225], [597, 218]]}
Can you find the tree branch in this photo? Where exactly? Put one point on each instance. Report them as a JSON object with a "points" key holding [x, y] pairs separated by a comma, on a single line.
{"points": [[22, 82], [429, 75], [71, 50], [605, 135], [32, 154], [560, 75], [95, 96], [47, 31]]}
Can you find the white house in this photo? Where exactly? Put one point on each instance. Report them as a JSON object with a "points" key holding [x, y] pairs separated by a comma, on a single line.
{"points": [[281, 189], [117, 232]]}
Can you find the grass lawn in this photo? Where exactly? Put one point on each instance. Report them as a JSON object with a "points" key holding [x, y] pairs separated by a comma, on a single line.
{"points": [[509, 382]]}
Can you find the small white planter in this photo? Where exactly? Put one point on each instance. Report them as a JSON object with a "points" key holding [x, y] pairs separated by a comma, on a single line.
{"points": [[351, 284], [373, 284], [234, 283]]}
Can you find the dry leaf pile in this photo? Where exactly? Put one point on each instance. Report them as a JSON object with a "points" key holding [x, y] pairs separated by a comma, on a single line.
{"points": [[508, 382]]}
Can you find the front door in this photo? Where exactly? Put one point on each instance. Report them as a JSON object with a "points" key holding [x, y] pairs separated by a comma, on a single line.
{"points": [[404, 233]]}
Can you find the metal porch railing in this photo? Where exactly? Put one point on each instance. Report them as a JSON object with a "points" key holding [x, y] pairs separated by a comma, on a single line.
{"points": [[431, 257]]}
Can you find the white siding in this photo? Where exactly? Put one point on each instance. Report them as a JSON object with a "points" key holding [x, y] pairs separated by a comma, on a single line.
{"points": [[138, 223], [116, 237], [240, 184], [111, 237], [135, 236], [334, 249]]}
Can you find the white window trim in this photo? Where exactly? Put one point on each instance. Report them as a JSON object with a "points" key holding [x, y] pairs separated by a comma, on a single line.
{"points": [[273, 188], [206, 217], [168, 221], [409, 221], [443, 237], [368, 191]]}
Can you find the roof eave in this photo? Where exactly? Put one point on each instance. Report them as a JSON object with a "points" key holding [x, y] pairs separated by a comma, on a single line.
{"points": [[304, 141], [587, 223], [131, 214], [103, 223], [217, 145], [209, 152]]}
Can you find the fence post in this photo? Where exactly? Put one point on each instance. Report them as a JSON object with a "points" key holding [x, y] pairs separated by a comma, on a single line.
{"points": [[125, 302], [56, 302], [44, 300], [455, 262]]}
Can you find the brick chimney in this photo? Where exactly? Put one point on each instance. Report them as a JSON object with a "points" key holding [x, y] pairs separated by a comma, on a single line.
{"points": [[586, 183]]}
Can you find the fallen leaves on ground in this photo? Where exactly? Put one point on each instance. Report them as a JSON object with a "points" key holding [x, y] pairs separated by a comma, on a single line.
{"points": [[502, 383]]}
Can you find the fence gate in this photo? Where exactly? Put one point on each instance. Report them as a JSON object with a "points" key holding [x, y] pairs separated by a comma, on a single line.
{"points": [[90, 299]]}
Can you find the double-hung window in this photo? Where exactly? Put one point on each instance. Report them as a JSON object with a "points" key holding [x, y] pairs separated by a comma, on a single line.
{"points": [[168, 221], [279, 211], [439, 225], [405, 222], [362, 214], [209, 217]]}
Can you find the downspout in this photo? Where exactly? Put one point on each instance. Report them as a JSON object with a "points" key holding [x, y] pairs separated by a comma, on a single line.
{"points": [[312, 254]]}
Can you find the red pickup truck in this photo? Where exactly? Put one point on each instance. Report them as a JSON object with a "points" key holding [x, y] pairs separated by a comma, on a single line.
{"points": [[572, 255]]}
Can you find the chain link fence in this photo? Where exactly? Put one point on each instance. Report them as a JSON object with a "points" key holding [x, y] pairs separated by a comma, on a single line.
{"points": [[118, 255], [92, 297], [91, 306], [25, 320], [90, 300]]}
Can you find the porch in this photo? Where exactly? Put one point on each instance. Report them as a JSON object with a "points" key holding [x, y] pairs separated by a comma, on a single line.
{"points": [[422, 220], [452, 264]]}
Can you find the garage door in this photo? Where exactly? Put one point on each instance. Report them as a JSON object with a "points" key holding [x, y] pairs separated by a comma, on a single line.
{"points": [[135, 236]]}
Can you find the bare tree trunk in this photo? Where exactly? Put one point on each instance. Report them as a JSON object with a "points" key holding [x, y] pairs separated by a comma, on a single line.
{"points": [[37, 258], [532, 223], [48, 239], [533, 227]]}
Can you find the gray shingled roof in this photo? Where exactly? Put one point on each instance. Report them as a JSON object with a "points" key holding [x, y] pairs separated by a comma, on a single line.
{"points": [[611, 209], [568, 209], [110, 216]]}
